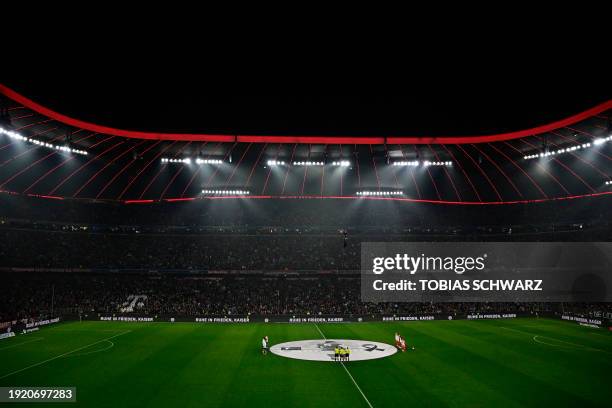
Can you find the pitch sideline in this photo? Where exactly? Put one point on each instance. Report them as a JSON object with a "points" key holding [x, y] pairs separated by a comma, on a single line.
{"points": [[22, 343], [62, 355]]}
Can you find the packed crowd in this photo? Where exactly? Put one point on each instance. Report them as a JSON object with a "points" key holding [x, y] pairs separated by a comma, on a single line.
{"points": [[71, 294], [37, 249], [161, 250]]}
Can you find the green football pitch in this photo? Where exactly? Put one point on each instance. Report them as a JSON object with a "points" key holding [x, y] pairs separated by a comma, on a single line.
{"points": [[521, 362]]}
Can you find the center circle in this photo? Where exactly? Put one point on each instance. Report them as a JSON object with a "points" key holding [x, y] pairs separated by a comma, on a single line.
{"points": [[323, 350]]}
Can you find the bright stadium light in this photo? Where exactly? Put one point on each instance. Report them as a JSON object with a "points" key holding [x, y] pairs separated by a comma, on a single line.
{"points": [[369, 193], [273, 163], [609, 183], [17, 136], [413, 163], [172, 160], [308, 163], [428, 163], [341, 163], [220, 192], [596, 142], [188, 160]]}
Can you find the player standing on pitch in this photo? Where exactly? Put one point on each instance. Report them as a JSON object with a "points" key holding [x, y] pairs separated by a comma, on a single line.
{"points": [[264, 345]]}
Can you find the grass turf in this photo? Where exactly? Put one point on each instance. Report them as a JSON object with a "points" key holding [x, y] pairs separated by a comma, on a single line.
{"points": [[456, 363]]}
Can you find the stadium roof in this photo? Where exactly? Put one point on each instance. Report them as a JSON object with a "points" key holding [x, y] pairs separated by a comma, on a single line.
{"points": [[305, 139], [50, 154]]}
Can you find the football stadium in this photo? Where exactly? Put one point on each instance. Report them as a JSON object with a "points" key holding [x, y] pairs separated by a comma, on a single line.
{"points": [[145, 267]]}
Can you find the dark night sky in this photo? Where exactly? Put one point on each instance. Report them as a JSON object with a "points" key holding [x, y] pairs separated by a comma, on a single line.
{"points": [[209, 108]]}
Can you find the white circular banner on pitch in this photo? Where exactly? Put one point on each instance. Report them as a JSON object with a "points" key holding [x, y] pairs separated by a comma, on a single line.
{"points": [[323, 350]]}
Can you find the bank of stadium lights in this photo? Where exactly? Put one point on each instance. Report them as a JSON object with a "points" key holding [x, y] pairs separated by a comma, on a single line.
{"points": [[188, 160], [602, 140], [217, 192], [558, 151], [61, 148], [609, 183], [273, 163], [406, 163], [208, 161], [308, 163], [426, 163], [367, 193], [596, 142], [167, 160], [341, 163]]}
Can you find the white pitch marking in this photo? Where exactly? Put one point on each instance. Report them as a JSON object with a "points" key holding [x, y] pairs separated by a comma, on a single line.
{"points": [[64, 354], [95, 351], [23, 342], [535, 338], [349, 374], [562, 341]]}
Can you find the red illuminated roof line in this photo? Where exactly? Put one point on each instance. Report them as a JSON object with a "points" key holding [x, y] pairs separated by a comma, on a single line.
{"points": [[46, 196], [410, 200], [138, 201], [301, 139]]}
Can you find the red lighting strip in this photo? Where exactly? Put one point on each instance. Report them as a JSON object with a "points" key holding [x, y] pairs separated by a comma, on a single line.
{"points": [[143, 169], [263, 190], [447, 173], [214, 173], [411, 200], [598, 151], [566, 168], [306, 170], [163, 166], [125, 168], [414, 200], [83, 166], [416, 150], [46, 196], [481, 171], [288, 168], [198, 169], [499, 169], [96, 174], [231, 176], [302, 139], [138, 201], [44, 176], [375, 169], [587, 162], [181, 168], [542, 168], [26, 169], [416, 186], [521, 169]]}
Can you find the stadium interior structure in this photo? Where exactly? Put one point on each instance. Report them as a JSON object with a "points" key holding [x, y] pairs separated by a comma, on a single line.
{"points": [[110, 237], [231, 215]]}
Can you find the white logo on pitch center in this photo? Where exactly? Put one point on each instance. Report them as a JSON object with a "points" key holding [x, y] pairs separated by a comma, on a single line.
{"points": [[323, 350]]}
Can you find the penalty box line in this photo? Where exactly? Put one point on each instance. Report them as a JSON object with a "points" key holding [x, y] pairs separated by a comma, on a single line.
{"points": [[348, 372], [63, 355]]}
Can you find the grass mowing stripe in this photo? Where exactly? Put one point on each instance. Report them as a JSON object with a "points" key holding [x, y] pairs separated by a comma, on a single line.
{"points": [[62, 355], [349, 374]]}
